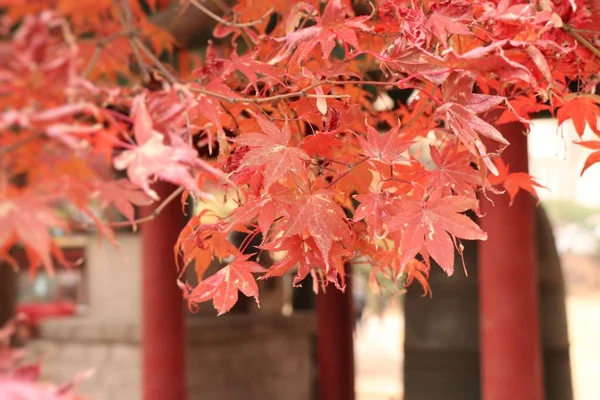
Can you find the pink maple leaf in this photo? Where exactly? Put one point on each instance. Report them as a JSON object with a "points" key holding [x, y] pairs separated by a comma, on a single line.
{"points": [[153, 159]]}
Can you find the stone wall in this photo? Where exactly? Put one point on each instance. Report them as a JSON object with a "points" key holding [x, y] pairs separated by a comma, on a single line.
{"points": [[254, 357], [113, 279]]}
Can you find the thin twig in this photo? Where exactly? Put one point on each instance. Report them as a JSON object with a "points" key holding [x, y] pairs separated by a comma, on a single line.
{"points": [[233, 100], [154, 213], [327, 96], [586, 31], [140, 61], [415, 117], [235, 121], [93, 61], [214, 16], [583, 41], [350, 168], [155, 61], [24, 141]]}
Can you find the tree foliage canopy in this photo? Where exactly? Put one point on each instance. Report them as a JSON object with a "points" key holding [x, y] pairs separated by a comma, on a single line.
{"points": [[342, 130]]}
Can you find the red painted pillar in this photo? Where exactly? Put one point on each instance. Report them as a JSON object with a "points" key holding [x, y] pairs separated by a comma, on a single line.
{"points": [[511, 360], [163, 327], [335, 347]]}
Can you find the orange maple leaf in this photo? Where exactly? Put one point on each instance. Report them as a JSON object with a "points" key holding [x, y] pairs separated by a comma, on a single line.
{"points": [[514, 181], [594, 157], [581, 110]]}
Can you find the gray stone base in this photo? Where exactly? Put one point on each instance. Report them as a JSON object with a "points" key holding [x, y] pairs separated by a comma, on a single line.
{"points": [[250, 357]]}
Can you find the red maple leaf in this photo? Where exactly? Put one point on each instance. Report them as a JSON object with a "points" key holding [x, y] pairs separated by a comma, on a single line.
{"points": [[460, 108], [453, 173], [594, 157], [331, 26], [581, 110], [320, 217], [254, 70], [415, 269], [386, 148], [265, 209], [223, 286], [123, 195], [304, 254], [271, 150], [377, 209], [449, 17], [27, 218], [514, 181], [433, 224]]}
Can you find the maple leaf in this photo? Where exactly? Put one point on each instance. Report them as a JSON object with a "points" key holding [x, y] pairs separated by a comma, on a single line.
{"points": [[449, 17], [321, 143], [460, 108], [514, 181], [331, 26], [304, 255], [200, 242], [495, 59], [377, 209], [28, 217], [581, 110], [386, 148], [223, 286], [272, 151], [319, 216], [594, 157], [123, 195], [152, 158], [254, 70], [265, 209], [415, 269], [210, 108], [521, 105], [452, 172], [433, 224]]}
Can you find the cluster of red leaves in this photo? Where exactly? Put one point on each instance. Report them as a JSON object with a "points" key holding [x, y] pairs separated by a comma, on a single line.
{"points": [[288, 102], [22, 381]]}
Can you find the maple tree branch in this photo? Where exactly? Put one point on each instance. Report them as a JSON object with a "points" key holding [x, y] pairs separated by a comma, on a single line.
{"points": [[260, 100], [155, 61], [309, 15], [214, 16], [235, 121], [582, 40], [419, 113], [586, 31], [344, 174], [93, 61], [330, 160], [232, 100], [327, 96], [152, 215], [139, 60], [21, 142]]}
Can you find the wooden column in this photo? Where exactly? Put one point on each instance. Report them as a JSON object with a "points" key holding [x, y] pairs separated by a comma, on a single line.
{"points": [[511, 361], [8, 293], [163, 327], [335, 347]]}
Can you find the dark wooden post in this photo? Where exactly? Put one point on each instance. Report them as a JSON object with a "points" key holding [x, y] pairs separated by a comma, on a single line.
{"points": [[335, 347], [163, 327], [511, 360]]}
